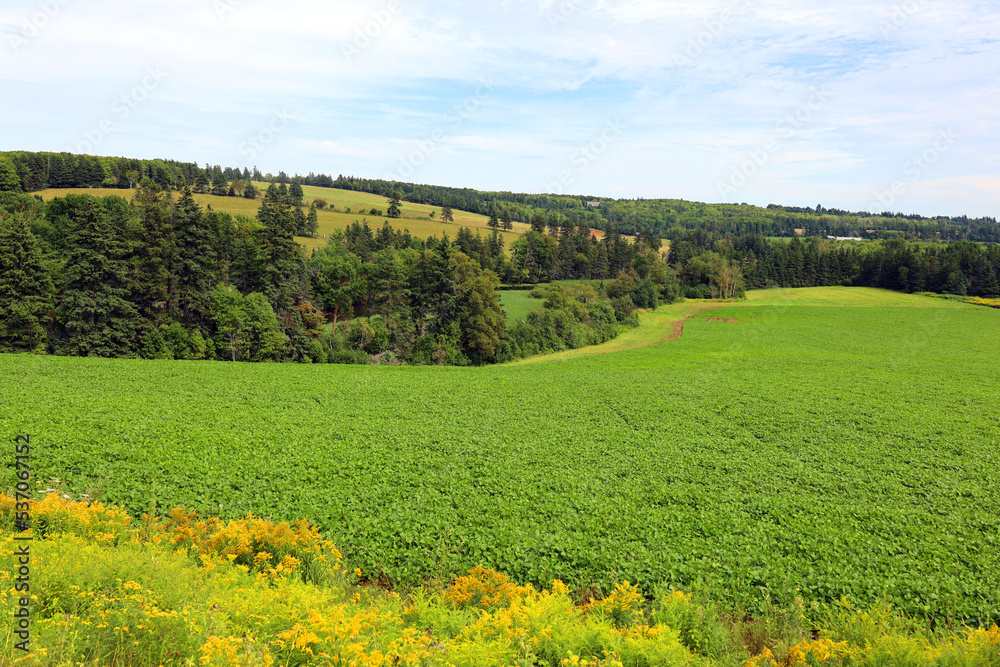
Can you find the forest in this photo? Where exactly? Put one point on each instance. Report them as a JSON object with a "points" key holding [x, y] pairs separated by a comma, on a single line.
{"points": [[23, 171], [158, 277]]}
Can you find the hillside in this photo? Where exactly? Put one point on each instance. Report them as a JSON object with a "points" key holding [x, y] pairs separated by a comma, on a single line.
{"points": [[415, 217], [661, 217]]}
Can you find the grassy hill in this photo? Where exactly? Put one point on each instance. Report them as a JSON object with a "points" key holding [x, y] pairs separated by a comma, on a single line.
{"points": [[814, 443], [415, 217]]}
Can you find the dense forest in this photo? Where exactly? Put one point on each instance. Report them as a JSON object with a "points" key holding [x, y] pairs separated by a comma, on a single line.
{"points": [[22, 171], [702, 259], [159, 277]]}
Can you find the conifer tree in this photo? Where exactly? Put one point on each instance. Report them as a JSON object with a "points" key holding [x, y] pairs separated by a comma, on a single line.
{"points": [[280, 270], [312, 222], [26, 289], [299, 221], [194, 263], [94, 310], [295, 194], [153, 257]]}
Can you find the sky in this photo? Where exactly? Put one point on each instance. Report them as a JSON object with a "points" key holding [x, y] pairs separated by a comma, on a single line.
{"points": [[864, 106]]}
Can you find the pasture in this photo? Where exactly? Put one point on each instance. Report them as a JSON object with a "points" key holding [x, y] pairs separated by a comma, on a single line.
{"points": [[824, 443]]}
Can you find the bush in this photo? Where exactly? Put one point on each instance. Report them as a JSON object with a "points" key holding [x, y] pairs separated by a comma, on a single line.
{"points": [[347, 356]]}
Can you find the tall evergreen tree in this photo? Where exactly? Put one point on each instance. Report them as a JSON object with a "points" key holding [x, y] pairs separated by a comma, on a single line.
{"points": [[194, 264], [299, 221], [26, 289], [312, 222], [96, 315], [153, 257], [394, 210], [280, 273], [295, 194]]}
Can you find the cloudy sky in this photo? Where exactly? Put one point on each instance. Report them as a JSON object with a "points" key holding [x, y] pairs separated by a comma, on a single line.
{"points": [[868, 105]]}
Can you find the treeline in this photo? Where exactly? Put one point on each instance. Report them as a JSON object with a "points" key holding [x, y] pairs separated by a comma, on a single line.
{"points": [[665, 217], [22, 171], [709, 263], [160, 277]]}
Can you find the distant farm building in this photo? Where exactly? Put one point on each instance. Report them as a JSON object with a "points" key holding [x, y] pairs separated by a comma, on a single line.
{"points": [[594, 204], [845, 238]]}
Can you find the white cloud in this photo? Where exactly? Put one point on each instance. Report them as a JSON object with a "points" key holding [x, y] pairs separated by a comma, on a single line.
{"points": [[701, 84]]}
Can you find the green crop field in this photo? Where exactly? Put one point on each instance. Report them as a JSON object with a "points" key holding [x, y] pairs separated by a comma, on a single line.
{"points": [[415, 217], [823, 442]]}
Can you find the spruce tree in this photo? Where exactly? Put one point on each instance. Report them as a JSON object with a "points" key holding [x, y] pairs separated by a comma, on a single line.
{"points": [[279, 273], [312, 222], [153, 256], [194, 261], [26, 290], [96, 316], [295, 194], [299, 221]]}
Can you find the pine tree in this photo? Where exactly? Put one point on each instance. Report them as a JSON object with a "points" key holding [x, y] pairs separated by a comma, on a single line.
{"points": [[279, 273], [312, 222], [26, 289], [194, 263], [446, 214], [96, 315], [295, 194], [538, 222], [299, 221], [153, 257], [508, 223], [394, 210]]}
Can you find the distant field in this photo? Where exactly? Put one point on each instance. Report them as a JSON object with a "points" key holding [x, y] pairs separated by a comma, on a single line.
{"points": [[414, 216], [517, 304], [816, 443]]}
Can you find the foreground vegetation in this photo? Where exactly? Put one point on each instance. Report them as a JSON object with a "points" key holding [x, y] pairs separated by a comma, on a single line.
{"points": [[108, 591], [816, 443]]}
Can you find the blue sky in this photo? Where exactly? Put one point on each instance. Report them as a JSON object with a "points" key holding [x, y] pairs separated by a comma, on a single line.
{"points": [[856, 105]]}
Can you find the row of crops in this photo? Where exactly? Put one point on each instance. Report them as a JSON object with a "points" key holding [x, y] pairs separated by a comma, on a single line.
{"points": [[799, 450]]}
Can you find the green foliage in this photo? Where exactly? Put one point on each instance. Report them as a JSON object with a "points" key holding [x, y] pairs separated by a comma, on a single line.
{"points": [[755, 455], [97, 316], [246, 328], [369, 334], [26, 288], [9, 179]]}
